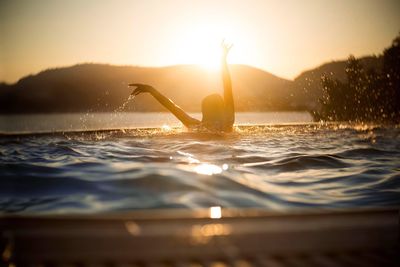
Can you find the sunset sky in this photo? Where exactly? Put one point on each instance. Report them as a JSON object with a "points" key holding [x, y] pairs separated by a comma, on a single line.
{"points": [[283, 37]]}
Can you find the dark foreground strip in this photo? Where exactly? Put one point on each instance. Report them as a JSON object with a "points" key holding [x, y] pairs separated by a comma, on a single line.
{"points": [[179, 238]]}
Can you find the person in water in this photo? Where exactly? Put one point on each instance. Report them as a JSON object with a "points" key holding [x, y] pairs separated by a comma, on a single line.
{"points": [[218, 113]]}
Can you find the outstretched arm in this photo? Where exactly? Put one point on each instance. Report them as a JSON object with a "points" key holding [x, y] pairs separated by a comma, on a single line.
{"points": [[226, 79], [167, 103]]}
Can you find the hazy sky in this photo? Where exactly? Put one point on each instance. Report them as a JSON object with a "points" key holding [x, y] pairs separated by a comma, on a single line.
{"points": [[283, 37]]}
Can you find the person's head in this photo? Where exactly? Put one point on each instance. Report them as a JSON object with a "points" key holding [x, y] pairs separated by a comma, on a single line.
{"points": [[212, 108]]}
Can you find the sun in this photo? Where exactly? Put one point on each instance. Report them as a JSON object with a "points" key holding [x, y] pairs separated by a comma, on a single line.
{"points": [[208, 57], [201, 44]]}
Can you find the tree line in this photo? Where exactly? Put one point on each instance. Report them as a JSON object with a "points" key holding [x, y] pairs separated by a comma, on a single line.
{"points": [[367, 95]]}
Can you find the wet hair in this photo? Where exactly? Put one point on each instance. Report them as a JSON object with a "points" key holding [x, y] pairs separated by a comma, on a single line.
{"points": [[213, 108]]}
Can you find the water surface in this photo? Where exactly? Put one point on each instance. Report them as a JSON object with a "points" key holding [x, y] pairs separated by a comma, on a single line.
{"points": [[292, 166], [38, 123]]}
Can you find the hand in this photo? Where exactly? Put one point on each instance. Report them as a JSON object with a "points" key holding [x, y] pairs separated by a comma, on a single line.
{"points": [[141, 88], [225, 48]]}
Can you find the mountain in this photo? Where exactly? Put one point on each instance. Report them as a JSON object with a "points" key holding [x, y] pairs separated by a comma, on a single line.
{"points": [[99, 88], [103, 88]]}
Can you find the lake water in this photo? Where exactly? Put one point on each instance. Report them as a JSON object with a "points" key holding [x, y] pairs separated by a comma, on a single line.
{"points": [[272, 161], [117, 120]]}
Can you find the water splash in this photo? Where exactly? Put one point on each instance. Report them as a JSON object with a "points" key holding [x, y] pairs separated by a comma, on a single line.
{"points": [[123, 106], [85, 120]]}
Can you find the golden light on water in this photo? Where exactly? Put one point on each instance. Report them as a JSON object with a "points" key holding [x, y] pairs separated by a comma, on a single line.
{"points": [[189, 157], [166, 128], [208, 169], [133, 228], [215, 212], [202, 234], [225, 166]]}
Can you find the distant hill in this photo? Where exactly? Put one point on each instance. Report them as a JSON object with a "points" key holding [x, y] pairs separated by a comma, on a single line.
{"points": [[98, 87], [103, 88]]}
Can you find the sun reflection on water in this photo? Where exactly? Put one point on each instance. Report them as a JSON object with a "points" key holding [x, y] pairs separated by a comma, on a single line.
{"points": [[207, 169], [166, 128], [215, 212], [203, 234]]}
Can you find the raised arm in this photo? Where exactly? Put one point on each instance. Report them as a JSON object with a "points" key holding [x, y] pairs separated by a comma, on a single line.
{"points": [[226, 79], [167, 103]]}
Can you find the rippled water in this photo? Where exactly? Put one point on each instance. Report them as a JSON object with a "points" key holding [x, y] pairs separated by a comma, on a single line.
{"points": [[276, 167]]}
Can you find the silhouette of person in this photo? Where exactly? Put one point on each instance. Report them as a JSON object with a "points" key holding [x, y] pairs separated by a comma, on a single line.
{"points": [[218, 113]]}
